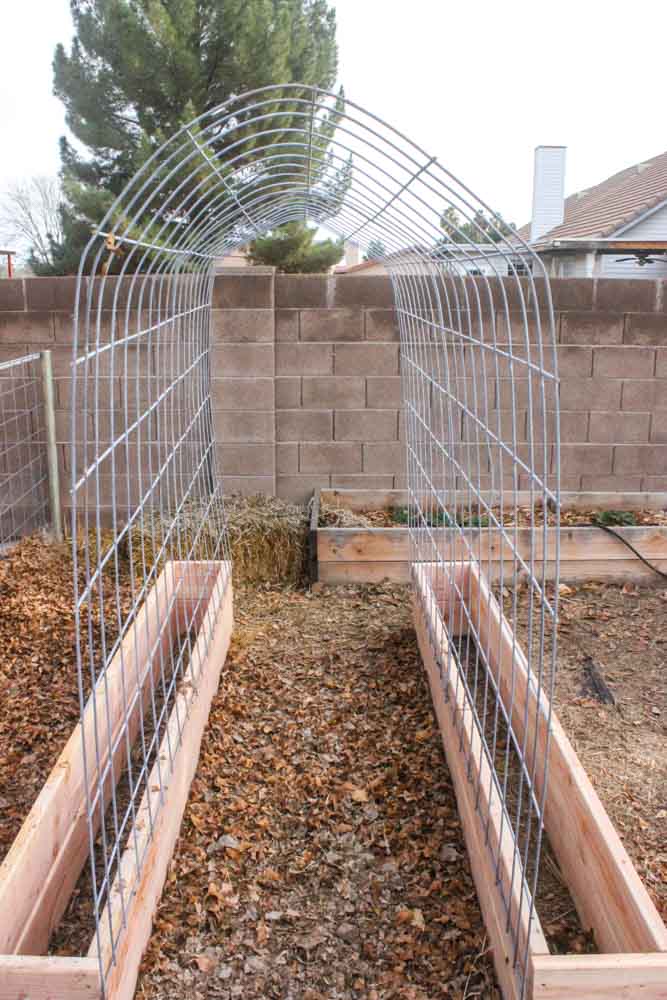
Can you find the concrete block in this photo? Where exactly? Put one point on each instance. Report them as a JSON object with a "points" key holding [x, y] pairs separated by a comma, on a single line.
{"points": [[644, 394], [626, 295], [586, 459], [619, 428], [624, 362], [659, 426], [591, 328], [239, 393], [50, 293], [242, 360], [107, 390], [287, 459], [366, 425], [252, 426], [242, 326], [326, 325], [383, 392], [572, 293], [372, 291], [329, 457], [611, 484], [362, 482], [288, 392], [245, 289], [23, 328], [248, 486], [335, 393], [287, 325], [301, 291], [661, 362], [575, 362], [590, 394], [304, 425], [299, 489], [381, 324], [385, 459], [644, 460], [536, 325], [245, 459], [654, 484], [649, 329], [12, 296], [304, 359], [366, 359]]}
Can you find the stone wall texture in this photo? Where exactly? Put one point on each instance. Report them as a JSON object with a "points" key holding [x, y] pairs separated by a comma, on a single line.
{"points": [[306, 378]]}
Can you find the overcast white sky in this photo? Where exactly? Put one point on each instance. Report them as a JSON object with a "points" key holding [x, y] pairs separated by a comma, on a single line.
{"points": [[477, 83]]}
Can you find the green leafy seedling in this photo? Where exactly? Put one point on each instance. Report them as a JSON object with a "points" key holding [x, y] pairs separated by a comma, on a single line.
{"points": [[620, 518]]}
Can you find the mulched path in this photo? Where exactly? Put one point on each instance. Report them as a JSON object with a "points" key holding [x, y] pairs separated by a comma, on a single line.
{"points": [[321, 854]]}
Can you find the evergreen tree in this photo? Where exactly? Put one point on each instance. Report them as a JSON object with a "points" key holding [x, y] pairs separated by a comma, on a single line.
{"points": [[292, 249], [481, 229], [375, 249], [138, 70]]}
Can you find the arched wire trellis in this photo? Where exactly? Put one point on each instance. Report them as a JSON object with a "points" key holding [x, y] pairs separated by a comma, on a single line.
{"points": [[481, 429]]}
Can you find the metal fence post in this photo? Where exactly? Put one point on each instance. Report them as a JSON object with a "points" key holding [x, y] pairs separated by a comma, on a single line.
{"points": [[51, 448]]}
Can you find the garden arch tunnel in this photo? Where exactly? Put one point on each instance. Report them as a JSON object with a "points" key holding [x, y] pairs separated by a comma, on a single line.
{"points": [[480, 399]]}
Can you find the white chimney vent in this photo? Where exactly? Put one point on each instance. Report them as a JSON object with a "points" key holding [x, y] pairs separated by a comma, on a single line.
{"points": [[352, 254], [548, 190]]}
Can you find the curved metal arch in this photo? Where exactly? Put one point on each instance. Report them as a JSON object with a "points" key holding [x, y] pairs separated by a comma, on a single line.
{"points": [[480, 402]]}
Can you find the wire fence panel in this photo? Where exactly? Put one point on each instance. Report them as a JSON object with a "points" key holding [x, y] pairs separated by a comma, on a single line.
{"points": [[24, 477], [481, 435], [149, 543]]}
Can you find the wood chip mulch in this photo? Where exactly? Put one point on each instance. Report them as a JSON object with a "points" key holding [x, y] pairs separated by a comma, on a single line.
{"points": [[38, 677], [321, 854]]}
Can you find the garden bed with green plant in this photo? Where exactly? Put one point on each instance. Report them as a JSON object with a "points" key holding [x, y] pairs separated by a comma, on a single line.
{"points": [[364, 538]]}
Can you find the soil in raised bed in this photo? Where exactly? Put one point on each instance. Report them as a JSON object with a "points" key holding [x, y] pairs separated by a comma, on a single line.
{"points": [[38, 676], [611, 698], [337, 515]]}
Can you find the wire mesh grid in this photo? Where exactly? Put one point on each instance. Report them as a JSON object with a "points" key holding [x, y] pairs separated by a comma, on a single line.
{"points": [[481, 430], [24, 476]]}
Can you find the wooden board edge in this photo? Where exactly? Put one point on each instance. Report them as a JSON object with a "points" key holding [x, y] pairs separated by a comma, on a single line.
{"points": [[600, 977], [312, 537], [49, 977], [480, 858], [609, 894], [363, 572], [196, 701], [358, 499], [43, 863]]}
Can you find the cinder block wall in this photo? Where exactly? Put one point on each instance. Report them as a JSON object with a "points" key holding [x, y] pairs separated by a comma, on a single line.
{"points": [[306, 378]]}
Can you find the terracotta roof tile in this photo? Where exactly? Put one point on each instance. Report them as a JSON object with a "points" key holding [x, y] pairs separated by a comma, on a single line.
{"points": [[602, 210]]}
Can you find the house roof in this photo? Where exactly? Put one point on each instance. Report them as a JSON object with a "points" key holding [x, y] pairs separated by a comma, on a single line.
{"points": [[602, 210]]}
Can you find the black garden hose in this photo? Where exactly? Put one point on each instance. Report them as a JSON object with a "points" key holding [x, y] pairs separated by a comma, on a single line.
{"points": [[629, 545]]}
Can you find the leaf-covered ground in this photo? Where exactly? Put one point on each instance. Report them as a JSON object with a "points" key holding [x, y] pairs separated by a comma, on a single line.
{"points": [[321, 854], [39, 697]]}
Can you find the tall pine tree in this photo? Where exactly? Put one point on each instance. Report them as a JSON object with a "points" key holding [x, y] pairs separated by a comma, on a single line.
{"points": [[138, 70]]}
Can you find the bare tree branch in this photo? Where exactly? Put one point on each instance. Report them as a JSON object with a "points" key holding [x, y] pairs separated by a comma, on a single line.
{"points": [[29, 215]]}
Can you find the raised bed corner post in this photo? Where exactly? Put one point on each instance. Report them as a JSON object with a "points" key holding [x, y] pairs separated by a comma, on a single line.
{"points": [[51, 446]]}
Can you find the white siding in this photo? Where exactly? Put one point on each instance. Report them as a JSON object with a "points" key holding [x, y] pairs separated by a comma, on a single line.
{"points": [[653, 227]]}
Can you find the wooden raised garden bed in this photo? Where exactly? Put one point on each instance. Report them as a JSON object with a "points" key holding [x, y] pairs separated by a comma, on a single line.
{"points": [[371, 554], [41, 869], [607, 891]]}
